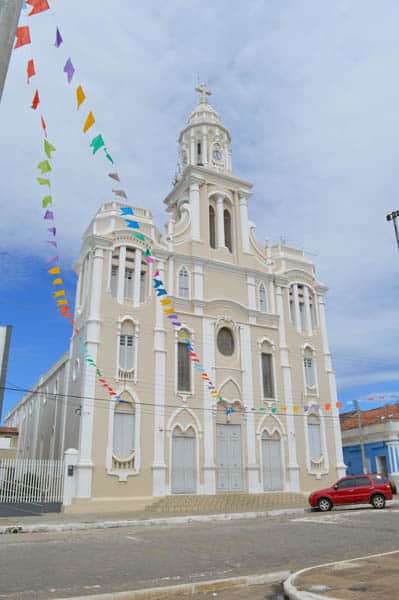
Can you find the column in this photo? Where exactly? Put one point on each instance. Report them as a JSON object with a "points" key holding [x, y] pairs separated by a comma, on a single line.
{"points": [[120, 296], [204, 147], [296, 308], [85, 465], [340, 466], [109, 268], [137, 277], [219, 222], [159, 466], [244, 223], [192, 150], [171, 275], [251, 292], [195, 210], [198, 291], [293, 468], [308, 318], [208, 357], [247, 385]]}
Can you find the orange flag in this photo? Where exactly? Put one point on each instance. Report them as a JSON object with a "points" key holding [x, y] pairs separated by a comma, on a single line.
{"points": [[89, 122], [35, 101], [80, 96], [54, 270], [23, 36], [38, 6], [30, 69], [58, 281], [44, 127]]}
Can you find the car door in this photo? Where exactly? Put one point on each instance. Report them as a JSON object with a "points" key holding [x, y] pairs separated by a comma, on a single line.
{"points": [[343, 491], [361, 489]]}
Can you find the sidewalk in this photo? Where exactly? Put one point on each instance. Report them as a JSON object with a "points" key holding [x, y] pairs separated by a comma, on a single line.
{"points": [[374, 576], [48, 522]]}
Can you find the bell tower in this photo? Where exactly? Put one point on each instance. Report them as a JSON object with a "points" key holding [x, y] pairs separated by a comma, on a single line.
{"points": [[204, 142]]}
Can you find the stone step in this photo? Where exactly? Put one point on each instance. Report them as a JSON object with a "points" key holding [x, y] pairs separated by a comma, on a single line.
{"points": [[233, 502]]}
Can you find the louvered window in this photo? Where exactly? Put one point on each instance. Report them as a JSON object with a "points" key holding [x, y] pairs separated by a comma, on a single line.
{"points": [[123, 438], [314, 438], [126, 352], [227, 230], [114, 280], [212, 227], [183, 368], [129, 284], [267, 375], [309, 366]]}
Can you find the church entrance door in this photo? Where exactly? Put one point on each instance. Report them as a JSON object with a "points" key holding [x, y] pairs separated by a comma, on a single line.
{"points": [[273, 479], [228, 458], [184, 467]]}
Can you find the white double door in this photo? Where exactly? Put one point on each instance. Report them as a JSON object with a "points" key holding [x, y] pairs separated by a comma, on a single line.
{"points": [[273, 477], [184, 465], [229, 477]]}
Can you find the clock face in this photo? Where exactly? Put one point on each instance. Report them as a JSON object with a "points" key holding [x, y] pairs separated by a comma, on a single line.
{"points": [[217, 153]]}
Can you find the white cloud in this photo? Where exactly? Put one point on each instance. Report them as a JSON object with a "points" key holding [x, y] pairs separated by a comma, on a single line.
{"points": [[309, 93]]}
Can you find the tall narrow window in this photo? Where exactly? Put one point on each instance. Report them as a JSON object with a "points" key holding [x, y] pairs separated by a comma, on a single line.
{"points": [[309, 367], [127, 349], [262, 298], [184, 283], [199, 158], [227, 230], [212, 227], [314, 438], [115, 272], [129, 284], [183, 368], [124, 430], [267, 374], [143, 280]]}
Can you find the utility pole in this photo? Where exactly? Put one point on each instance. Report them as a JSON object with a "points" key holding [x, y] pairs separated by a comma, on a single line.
{"points": [[9, 17], [393, 217], [361, 438]]}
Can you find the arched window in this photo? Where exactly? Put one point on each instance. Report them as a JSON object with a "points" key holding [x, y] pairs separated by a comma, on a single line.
{"points": [[123, 440], [314, 438], [184, 283], [212, 227], [225, 341], [127, 349], [227, 230], [266, 359], [309, 367], [262, 298], [183, 366]]}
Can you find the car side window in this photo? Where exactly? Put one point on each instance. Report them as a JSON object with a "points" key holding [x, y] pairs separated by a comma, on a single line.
{"points": [[360, 481], [345, 483], [380, 479]]}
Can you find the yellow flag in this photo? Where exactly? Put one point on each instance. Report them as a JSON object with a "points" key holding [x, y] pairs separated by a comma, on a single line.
{"points": [[58, 281], [89, 122], [58, 294], [80, 96]]}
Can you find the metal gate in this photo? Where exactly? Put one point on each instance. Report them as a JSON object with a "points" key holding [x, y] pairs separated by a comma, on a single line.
{"points": [[28, 481], [229, 458]]}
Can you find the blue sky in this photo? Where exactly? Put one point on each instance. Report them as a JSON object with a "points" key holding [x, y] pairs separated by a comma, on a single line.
{"points": [[309, 92]]}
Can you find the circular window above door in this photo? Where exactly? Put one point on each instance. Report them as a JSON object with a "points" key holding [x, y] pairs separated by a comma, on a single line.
{"points": [[225, 341]]}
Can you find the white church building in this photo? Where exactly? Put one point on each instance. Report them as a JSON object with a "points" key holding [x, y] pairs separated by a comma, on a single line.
{"points": [[256, 316]]}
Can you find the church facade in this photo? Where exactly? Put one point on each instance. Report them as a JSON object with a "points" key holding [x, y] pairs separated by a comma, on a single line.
{"points": [[256, 316]]}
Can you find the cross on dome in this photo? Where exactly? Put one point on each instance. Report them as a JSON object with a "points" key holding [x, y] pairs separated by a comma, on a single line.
{"points": [[204, 92]]}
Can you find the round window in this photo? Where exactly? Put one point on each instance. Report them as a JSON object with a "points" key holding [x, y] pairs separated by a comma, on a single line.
{"points": [[225, 341]]}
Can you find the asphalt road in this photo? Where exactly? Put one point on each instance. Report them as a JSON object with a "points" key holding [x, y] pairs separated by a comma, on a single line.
{"points": [[47, 565]]}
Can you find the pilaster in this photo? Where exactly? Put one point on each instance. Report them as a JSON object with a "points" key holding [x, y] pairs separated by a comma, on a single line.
{"points": [[208, 353]]}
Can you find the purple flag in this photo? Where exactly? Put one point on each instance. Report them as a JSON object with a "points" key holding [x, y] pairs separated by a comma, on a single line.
{"points": [[58, 38], [52, 243], [52, 230], [69, 70], [48, 215], [53, 260]]}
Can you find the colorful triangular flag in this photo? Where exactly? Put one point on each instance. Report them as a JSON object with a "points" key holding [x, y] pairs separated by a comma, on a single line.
{"points": [[36, 100], [22, 35], [48, 148], [30, 69], [90, 120], [44, 167], [69, 69], [96, 143], [58, 38], [38, 6], [80, 96]]}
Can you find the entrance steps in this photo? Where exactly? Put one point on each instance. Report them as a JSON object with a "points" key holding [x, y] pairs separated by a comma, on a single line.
{"points": [[226, 503]]}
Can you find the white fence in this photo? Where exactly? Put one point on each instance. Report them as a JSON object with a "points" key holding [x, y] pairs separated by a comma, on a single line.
{"points": [[30, 480]]}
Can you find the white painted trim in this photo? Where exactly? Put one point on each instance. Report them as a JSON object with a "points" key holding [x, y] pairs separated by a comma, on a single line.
{"points": [[208, 354], [198, 435], [191, 394], [309, 390], [178, 283], [282, 454], [123, 475], [272, 345], [325, 464]]}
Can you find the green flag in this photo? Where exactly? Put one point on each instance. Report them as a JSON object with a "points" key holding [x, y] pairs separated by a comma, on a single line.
{"points": [[46, 201], [96, 143], [44, 166], [48, 148], [139, 236], [42, 181]]}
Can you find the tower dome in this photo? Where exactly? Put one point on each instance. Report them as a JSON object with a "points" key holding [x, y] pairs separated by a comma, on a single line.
{"points": [[204, 142]]}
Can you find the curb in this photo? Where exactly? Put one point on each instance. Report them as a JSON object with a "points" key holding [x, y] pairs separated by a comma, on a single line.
{"points": [[294, 594], [188, 589], [38, 528]]}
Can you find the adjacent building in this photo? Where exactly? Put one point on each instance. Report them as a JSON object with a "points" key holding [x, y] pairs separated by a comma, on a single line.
{"points": [[256, 315], [380, 436]]}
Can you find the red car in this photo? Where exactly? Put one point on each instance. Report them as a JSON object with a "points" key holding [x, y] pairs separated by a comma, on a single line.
{"points": [[372, 489]]}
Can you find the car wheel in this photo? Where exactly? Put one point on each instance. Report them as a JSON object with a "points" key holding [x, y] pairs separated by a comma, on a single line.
{"points": [[378, 501], [324, 504]]}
